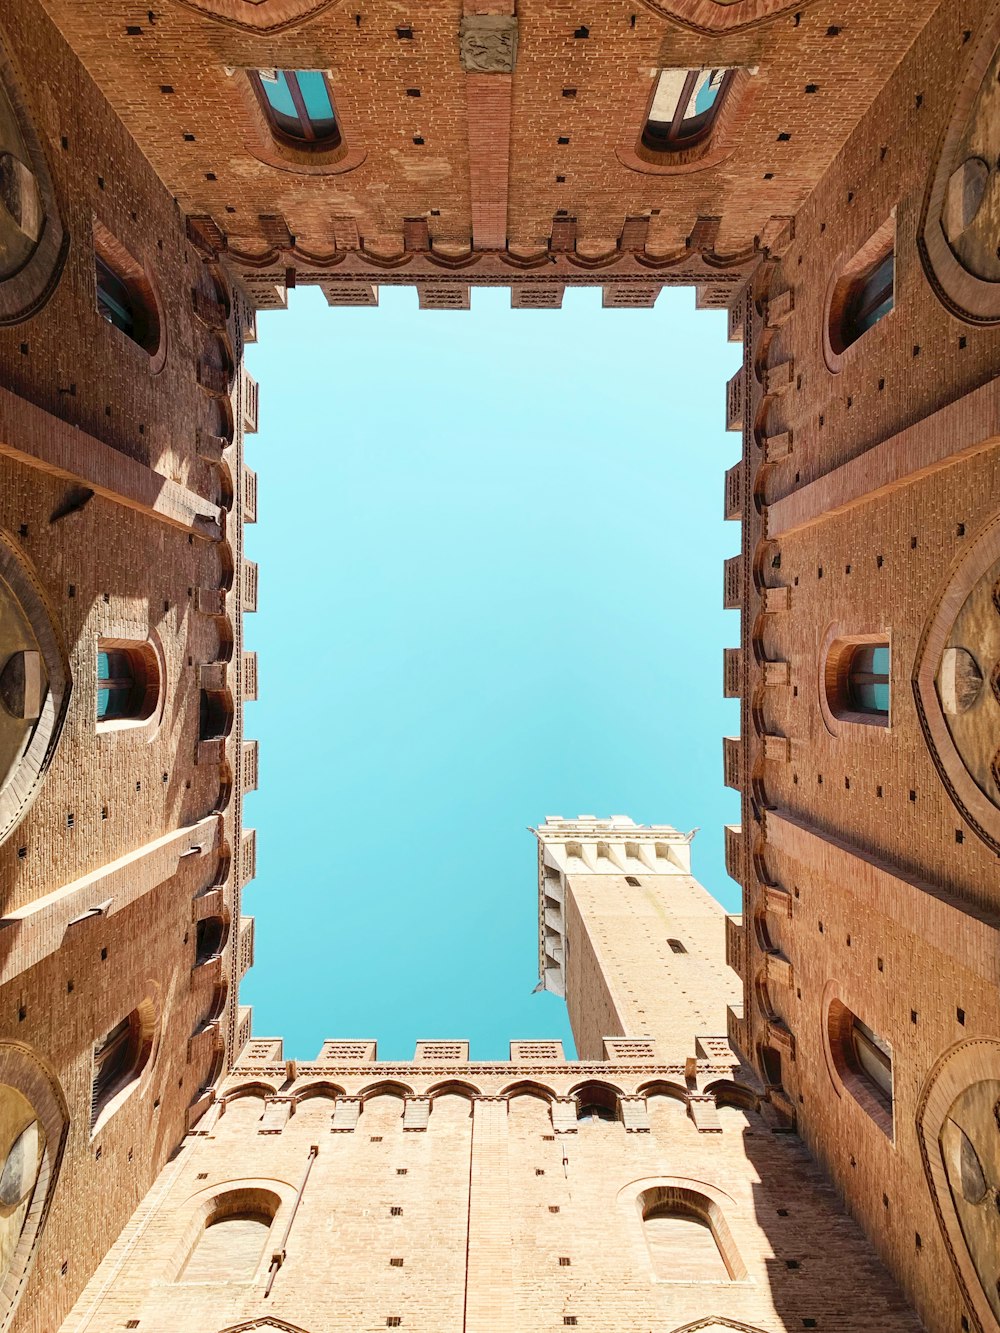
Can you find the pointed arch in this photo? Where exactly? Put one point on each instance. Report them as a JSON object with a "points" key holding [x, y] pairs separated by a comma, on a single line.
{"points": [[387, 1087], [526, 1087], [456, 1087]]}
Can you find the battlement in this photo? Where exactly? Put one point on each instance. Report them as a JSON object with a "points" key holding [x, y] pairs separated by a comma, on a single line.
{"points": [[588, 845]]}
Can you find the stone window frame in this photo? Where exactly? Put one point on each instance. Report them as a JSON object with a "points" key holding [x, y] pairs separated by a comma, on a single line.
{"points": [[849, 268], [723, 1218], [31, 596], [708, 150], [150, 715], [846, 1072], [25, 1071], [25, 292], [836, 648], [151, 341], [278, 150]]}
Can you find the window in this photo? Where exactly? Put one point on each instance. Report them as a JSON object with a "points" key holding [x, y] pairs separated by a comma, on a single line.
{"points": [[124, 297], [119, 1058], [677, 946], [128, 682], [856, 680], [868, 298], [298, 106], [215, 715], [684, 106], [862, 1061], [868, 679], [874, 1059], [861, 292], [231, 1243], [687, 1236], [594, 1101], [210, 934]]}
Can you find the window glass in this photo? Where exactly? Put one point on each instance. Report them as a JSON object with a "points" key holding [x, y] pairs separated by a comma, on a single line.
{"points": [[115, 684], [298, 103], [868, 678], [114, 300], [684, 105], [873, 297]]}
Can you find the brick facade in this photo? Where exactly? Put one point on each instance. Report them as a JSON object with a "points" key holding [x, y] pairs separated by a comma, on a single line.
{"points": [[494, 144]]}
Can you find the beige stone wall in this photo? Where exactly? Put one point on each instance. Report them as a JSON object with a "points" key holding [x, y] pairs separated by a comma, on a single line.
{"points": [[493, 1198]]}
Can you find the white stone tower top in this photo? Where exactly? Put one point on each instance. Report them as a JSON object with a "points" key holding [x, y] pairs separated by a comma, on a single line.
{"points": [[587, 845]]}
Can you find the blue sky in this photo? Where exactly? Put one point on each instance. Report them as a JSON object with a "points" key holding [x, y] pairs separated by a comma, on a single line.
{"points": [[490, 549]]}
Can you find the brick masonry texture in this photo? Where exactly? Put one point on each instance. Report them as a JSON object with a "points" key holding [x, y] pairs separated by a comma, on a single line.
{"points": [[439, 1194]]}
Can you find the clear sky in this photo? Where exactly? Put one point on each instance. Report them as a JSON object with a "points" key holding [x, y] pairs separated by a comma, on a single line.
{"points": [[490, 549]]}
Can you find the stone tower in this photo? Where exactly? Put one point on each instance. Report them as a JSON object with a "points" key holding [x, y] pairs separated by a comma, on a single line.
{"points": [[629, 936]]}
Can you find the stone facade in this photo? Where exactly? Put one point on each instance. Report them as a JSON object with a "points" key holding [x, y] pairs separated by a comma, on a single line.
{"points": [[814, 1147]]}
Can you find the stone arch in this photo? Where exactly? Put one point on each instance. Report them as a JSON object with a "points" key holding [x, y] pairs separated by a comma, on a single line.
{"points": [[321, 1088], [29, 214], [662, 1087], [956, 1122], [528, 1088], [34, 681], [387, 1087], [454, 1087], [717, 16], [727, 1092], [32, 1084]]}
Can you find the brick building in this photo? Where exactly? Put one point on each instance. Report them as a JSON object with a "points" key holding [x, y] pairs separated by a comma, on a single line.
{"points": [[826, 170]]}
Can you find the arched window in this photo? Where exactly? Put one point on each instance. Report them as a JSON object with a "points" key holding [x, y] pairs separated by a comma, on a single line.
{"points": [[128, 681], [215, 715], [857, 681], [230, 1246], [298, 105], [687, 1236], [862, 1060], [124, 294], [119, 1058], [868, 300], [210, 935], [595, 1101], [684, 106]]}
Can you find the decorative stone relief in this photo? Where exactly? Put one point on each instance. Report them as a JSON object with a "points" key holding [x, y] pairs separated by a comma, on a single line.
{"points": [[32, 241], [958, 685], [961, 219], [34, 685], [957, 1117], [487, 43]]}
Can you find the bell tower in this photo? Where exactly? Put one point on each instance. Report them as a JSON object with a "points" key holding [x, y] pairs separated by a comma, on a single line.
{"points": [[629, 937]]}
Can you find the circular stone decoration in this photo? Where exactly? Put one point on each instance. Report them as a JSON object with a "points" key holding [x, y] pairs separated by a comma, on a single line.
{"points": [[958, 663], [961, 217]]}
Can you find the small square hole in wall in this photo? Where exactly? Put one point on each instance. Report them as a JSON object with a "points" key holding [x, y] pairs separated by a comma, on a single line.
{"points": [[959, 835], [64, 1269], [539, 1171], [809, 1323], [375, 1138], [401, 1170], [782, 1212], [564, 1262], [881, 965], [548, 1138], [965, 1324], [791, 1263], [917, 1241], [960, 1015], [913, 1015], [394, 1321], [553, 1208], [395, 1211], [631, 879], [569, 1318], [395, 1263], [202, 1175], [132, 1323]]}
